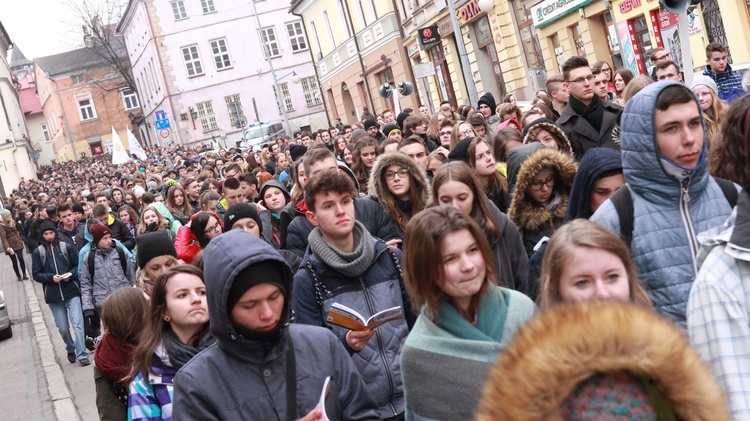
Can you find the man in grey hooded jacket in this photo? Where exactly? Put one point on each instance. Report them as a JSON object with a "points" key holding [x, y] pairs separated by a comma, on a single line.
{"points": [[244, 374]]}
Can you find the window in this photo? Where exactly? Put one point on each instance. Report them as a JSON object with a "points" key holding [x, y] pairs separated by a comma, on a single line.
{"points": [[77, 78], [129, 99], [206, 115], [270, 44], [296, 36], [208, 6], [45, 132], [312, 91], [284, 94], [178, 8], [192, 60], [221, 54], [86, 110], [234, 108]]}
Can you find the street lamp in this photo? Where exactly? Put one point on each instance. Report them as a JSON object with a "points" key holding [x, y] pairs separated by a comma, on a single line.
{"points": [[486, 5]]}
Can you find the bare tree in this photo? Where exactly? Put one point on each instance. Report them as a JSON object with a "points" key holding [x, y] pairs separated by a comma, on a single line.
{"points": [[98, 20]]}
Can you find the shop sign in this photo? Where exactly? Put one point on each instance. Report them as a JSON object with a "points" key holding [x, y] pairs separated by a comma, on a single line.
{"points": [[636, 48], [628, 5], [412, 49], [469, 12], [428, 35], [548, 11]]}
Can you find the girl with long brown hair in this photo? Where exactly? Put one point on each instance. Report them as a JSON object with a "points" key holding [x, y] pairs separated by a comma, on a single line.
{"points": [[495, 185], [177, 330], [363, 158], [178, 205]]}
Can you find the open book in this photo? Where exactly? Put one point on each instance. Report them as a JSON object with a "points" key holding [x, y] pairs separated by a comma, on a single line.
{"points": [[346, 317], [323, 396]]}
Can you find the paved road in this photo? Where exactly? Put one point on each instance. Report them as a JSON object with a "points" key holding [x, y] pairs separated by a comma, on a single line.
{"points": [[38, 382]]}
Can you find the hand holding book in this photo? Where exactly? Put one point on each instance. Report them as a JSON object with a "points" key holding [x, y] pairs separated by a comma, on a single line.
{"points": [[344, 316]]}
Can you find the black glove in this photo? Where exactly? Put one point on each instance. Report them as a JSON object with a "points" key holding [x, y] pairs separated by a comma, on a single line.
{"points": [[152, 227], [89, 313]]}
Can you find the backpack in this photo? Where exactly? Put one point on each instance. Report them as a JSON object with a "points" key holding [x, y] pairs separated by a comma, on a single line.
{"points": [[63, 250], [120, 254], [623, 203]]}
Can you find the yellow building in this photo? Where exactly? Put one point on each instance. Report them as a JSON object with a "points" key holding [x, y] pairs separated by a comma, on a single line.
{"points": [[356, 47]]}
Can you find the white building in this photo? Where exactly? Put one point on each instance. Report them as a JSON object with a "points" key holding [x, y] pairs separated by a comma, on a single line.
{"points": [[197, 61]]}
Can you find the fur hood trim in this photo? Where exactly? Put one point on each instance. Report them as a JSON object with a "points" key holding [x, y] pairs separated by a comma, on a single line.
{"points": [[157, 179], [552, 129], [559, 349], [528, 214], [377, 188]]}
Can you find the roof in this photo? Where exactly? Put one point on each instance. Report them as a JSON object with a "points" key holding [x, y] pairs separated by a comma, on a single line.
{"points": [[82, 58], [17, 59]]}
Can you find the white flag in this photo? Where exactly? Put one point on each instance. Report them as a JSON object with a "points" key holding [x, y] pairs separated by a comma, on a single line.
{"points": [[119, 155], [135, 147]]}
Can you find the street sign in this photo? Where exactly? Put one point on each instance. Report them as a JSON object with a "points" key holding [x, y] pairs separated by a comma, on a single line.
{"points": [[160, 115], [164, 133], [423, 70], [161, 124]]}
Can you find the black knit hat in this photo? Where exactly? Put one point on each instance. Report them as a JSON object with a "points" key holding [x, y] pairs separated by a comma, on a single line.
{"points": [[460, 151], [296, 151], [263, 272], [77, 208], [370, 122], [388, 128], [45, 226], [154, 244], [400, 119], [239, 211]]}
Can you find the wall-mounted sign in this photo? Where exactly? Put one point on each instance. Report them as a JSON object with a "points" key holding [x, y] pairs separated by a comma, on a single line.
{"points": [[548, 11], [628, 5], [428, 35], [468, 12]]}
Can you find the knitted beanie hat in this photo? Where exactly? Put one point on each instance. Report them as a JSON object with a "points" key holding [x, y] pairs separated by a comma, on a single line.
{"points": [[98, 231], [370, 122], [706, 81], [154, 244], [237, 212], [296, 151]]}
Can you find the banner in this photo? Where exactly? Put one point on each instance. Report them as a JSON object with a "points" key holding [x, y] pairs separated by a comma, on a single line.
{"points": [[119, 155], [135, 147]]}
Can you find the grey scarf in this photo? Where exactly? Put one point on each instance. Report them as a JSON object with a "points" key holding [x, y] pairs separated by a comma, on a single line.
{"points": [[349, 264]]}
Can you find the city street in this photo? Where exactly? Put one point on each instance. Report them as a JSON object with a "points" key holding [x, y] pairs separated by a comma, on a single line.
{"points": [[38, 379]]}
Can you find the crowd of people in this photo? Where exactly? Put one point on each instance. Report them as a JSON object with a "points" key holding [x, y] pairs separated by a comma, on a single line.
{"points": [[510, 249]]}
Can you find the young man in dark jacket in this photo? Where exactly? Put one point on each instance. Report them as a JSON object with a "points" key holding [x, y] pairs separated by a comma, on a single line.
{"points": [[246, 373], [120, 232], [344, 264], [68, 229], [55, 266]]}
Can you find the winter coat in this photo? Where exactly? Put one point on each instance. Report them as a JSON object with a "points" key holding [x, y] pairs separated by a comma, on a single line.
{"points": [[108, 277], [116, 206], [71, 237], [533, 220], [369, 213], [561, 348], [582, 135], [108, 405], [537, 126], [667, 213], [150, 397], [511, 261], [516, 158], [379, 190], [718, 310], [186, 243], [56, 264], [120, 232], [728, 82], [240, 378], [10, 237], [87, 238], [379, 288]]}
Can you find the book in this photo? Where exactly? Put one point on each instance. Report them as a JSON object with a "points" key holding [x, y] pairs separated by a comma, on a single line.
{"points": [[66, 275], [323, 396], [344, 316]]}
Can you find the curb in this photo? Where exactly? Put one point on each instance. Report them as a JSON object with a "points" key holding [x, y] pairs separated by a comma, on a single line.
{"points": [[62, 402]]}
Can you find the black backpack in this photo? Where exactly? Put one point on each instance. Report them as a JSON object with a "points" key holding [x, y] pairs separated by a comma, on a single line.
{"points": [[624, 205], [120, 254]]}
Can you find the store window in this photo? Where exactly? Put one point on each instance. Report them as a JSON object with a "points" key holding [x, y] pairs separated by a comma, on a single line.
{"points": [[487, 60], [578, 39], [612, 40], [557, 47], [531, 48], [643, 38], [442, 75]]}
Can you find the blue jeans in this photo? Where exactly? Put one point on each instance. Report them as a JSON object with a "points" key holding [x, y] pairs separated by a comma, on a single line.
{"points": [[70, 308]]}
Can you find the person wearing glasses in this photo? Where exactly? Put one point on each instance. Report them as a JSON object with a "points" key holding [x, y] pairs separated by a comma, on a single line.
{"points": [[587, 120], [657, 55], [541, 195], [195, 236]]}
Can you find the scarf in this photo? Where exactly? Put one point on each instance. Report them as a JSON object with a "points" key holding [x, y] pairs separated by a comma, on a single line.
{"points": [[406, 206], [551, 205], [593, 113], [113, 357], [490, 319], [349, 264], [180, 353]]}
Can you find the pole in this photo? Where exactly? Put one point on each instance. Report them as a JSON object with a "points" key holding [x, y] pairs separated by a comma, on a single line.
{"points": [[687, 55], [617, 32], [279, 97], [463, 57]]}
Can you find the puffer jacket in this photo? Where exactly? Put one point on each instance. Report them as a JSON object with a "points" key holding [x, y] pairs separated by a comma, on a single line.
{"points": [[379, 288], [10, 237], [667, 213], [369, 213], [108, 277], [240, 378], [533, 220], [379, 190]]}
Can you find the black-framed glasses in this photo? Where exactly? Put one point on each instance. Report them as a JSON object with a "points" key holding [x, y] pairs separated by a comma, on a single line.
{"points": [[402, 173], [446, 133], [537, 185], [214, 229]]}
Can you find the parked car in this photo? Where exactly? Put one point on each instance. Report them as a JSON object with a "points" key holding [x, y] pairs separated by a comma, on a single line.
{"points": [[6, 330]]}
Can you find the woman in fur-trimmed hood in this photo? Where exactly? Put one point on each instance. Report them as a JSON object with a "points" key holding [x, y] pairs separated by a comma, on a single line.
{"points": [[643, 366], [533, 133], [401, 196], [541, 195]]}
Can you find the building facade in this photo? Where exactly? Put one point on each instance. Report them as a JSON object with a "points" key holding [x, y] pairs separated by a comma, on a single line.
{"points": [[82, 98], [203, 67]]}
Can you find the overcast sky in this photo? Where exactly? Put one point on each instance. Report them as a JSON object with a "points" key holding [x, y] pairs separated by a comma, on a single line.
{"points": [[41, 27]]}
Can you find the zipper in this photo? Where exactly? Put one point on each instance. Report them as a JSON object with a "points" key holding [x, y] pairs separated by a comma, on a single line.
{"points": [[692, 240], [380, 348], [57, 271]]}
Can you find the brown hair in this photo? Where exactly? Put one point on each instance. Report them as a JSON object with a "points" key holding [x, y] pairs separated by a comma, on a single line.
{"points": [[639, 82], [714, 47], [185, 209], [654, 52], [327, 181], [597, 68], [142, 227], [206, 197], [358, 167], [493, 184], [480, 212], [575, 62], [509, 108], [124, 314], [410, 123], [727, 157], [423, 244], [626, 76], [502, 137], [158, 331], [315, 154], [583, 233]]}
